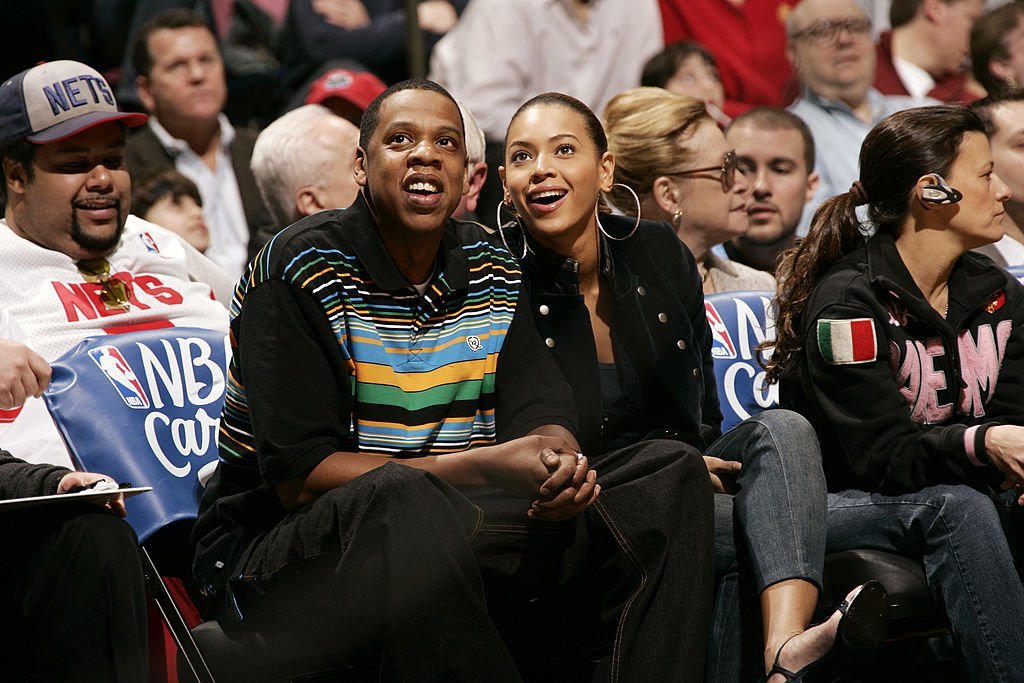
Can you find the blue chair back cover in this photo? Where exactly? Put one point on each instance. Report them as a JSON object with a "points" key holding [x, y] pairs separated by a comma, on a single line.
{"points": [[739, 322], [1017, 272], [144, 407]]}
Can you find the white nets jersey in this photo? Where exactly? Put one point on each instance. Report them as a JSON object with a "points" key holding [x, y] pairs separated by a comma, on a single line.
{"points": [[47, 304]]}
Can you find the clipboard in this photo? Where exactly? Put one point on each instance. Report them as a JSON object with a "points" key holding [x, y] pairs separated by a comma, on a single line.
{"points": [[80, 497]]}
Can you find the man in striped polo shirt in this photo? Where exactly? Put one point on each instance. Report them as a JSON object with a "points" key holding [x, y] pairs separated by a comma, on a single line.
{"points": [[398, 463]]}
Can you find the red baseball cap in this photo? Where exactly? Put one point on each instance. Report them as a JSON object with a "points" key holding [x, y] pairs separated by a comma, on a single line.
{"points": [[358, 87]]}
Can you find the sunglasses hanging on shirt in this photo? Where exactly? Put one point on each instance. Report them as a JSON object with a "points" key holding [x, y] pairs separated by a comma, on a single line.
{"points": [[114, 292]]}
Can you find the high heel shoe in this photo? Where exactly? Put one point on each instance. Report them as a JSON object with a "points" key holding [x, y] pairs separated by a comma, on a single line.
{"points": [[858, 637]]}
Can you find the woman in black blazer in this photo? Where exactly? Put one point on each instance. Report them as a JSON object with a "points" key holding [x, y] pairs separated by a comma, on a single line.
{"points": [[618, 300]]}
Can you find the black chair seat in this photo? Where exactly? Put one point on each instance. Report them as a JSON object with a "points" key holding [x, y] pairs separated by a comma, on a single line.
{"points": [[911, 610]]}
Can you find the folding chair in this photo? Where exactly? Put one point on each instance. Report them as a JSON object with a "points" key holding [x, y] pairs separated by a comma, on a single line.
{"points": [[143, 407]]}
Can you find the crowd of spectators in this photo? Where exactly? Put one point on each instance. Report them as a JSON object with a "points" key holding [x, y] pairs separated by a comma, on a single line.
{"points": [[234, 133]]}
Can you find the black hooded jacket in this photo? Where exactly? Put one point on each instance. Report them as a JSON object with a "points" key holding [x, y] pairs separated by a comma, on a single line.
{"points": [[909, 407]]}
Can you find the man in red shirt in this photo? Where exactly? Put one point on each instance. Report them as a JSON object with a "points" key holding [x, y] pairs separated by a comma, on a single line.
{"points": [[926, 52], [748, 40]]}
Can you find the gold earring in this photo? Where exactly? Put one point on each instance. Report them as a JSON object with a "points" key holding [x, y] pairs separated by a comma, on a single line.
{"points": [[1011, 82], [677, 216]]}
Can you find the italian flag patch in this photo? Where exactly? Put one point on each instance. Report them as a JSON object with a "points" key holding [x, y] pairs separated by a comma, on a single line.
{"points": [[845, 342]]}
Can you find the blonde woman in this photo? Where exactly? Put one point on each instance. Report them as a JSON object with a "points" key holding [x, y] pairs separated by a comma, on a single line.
{"points": [[670, 152]]}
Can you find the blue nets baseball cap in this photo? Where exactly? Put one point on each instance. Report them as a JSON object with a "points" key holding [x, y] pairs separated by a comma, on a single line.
{"points": [[55, 100]]}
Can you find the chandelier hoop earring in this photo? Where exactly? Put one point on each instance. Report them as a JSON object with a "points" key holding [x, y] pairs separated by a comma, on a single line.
{"points": [[501, 232], [636, 225]]}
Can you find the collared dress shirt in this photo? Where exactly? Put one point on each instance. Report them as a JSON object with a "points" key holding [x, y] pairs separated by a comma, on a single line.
{"points": [[502, 53], [222, 202], [838, 134]]}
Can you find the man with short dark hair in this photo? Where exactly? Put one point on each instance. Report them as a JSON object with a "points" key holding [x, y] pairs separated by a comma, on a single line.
{"points": [[775, 150], [996, 48], [1003, 115], [398, 460], [926, 52], [181, 84]]}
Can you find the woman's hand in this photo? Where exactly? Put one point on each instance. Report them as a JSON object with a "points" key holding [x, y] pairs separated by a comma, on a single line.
{"points": [[529, 467], [580, 493], [723, 473], [1005, 447]]}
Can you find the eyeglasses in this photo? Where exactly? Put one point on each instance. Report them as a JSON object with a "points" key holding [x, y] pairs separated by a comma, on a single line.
{"points": [[114, 292], [727, 171], [827, 32]]}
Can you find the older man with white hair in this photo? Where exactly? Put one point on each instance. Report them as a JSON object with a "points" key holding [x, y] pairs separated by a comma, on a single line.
{"points": [[303, 163], [476, 146]]}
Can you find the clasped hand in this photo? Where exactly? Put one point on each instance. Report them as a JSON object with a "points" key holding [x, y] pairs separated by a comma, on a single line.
{"points": [[546, 469]]}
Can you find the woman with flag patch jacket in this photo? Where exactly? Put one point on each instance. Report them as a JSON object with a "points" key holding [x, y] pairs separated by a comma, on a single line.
{"points": [[906, 352]]}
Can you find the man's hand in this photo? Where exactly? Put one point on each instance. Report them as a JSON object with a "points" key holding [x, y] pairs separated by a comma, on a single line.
{"points": [[23, 373], [345, 14], [723, 473], [534, 466], [571, 498], [544, 468], [436, 16], [114, 502]]}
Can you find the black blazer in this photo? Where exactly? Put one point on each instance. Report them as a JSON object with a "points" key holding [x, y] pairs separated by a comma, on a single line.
{"points": [[658, 319], [147, 157]]}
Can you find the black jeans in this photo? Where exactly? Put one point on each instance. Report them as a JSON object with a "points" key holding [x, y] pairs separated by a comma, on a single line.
{"points": [[72, 597], [402, 568]]}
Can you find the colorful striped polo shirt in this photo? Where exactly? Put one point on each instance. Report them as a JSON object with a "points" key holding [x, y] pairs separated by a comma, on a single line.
{"points": [[421, 368]]}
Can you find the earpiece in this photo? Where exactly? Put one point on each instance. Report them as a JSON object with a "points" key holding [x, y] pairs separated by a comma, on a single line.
{"points": [[940, 192]]}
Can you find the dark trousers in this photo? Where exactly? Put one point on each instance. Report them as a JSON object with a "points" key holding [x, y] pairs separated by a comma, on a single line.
{"points": [[429, 582], [72, 597]]}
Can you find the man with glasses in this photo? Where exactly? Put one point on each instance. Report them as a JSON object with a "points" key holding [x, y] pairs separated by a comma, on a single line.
{"points": [[830, 48], [74, 264]]}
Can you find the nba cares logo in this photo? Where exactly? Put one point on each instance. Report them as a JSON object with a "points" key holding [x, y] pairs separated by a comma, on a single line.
{"points": [[722, 346], [120, 374]]}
